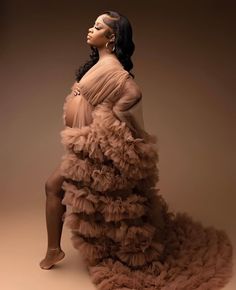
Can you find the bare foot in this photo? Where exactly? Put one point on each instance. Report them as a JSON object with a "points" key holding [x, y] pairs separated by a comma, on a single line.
{"points": [[52, 257]]}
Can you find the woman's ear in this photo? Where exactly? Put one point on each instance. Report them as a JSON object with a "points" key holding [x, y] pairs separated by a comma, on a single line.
{"points": [[112, 37]]}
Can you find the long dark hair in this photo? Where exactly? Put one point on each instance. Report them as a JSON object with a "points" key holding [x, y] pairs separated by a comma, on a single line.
{"points": [[124, 46]]}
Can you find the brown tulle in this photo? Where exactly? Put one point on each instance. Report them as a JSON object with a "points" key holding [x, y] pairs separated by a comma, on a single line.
{"points": [[121, 224]]}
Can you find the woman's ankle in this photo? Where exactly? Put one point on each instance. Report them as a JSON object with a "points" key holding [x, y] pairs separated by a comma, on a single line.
{"points": [[54, 249]]}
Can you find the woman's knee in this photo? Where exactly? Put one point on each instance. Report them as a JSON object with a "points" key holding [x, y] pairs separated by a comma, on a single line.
{"points": [[53, 183]]}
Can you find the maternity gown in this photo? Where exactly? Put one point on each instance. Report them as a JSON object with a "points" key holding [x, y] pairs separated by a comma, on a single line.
{"points": [[119, 221]]}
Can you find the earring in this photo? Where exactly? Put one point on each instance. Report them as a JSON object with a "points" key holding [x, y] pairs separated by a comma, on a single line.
{"points": [[113, 49]]}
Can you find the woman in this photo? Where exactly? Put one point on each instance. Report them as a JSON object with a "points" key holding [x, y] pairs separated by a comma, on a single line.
{"points": [[107, 178], [75, 115]]}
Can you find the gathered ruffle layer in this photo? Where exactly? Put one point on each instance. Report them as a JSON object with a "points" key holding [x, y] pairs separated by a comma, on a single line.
{"points": [[196, 258], [121, 224]]}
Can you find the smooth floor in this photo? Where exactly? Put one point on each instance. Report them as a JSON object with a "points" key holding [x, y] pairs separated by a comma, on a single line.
{"points": [[23, 245]]}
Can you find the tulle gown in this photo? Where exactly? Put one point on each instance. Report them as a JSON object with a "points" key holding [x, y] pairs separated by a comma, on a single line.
{"points": [[119, 221]]}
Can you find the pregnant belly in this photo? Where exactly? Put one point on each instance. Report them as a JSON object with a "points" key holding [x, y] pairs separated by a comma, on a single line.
{"points": [[77, 111], [70, 110]]}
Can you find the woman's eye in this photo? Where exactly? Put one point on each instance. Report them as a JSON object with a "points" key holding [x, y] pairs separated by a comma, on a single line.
{"points": [[96, 28]]}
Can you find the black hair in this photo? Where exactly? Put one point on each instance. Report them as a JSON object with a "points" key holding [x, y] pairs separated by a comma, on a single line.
{"points": [[124, 46]]}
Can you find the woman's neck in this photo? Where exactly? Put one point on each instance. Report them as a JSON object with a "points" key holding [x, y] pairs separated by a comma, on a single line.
{"points": [[107, 56]]}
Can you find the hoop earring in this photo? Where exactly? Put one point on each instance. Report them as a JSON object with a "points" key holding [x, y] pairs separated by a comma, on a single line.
{"points": [[113, 49]]}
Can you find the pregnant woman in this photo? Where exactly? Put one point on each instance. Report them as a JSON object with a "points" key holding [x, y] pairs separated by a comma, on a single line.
{"points": [[105, 186]]}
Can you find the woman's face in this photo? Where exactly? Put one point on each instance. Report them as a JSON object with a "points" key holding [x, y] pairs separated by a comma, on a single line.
{"points": [[100, 33]]}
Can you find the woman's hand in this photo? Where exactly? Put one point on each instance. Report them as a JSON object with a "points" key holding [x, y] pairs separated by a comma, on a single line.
{"points": [[76, 91]]}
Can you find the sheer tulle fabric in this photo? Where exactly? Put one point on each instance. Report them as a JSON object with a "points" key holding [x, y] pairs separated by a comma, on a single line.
{"points": [[119, 221]]}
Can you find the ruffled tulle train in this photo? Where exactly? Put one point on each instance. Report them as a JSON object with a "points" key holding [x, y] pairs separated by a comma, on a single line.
{"points": [[120, 222]]}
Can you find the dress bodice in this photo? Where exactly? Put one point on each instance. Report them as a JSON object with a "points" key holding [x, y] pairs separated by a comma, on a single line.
{"points": [[102, 83]]}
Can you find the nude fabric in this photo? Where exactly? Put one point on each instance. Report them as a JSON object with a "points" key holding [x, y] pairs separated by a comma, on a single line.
{"points": [[119, 221], [128, 108]]}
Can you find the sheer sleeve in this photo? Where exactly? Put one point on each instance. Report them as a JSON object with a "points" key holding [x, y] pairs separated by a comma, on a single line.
{"points": [[128, 108]]}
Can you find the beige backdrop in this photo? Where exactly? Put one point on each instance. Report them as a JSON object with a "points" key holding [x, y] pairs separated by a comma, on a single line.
{"points": [[183, 62]]}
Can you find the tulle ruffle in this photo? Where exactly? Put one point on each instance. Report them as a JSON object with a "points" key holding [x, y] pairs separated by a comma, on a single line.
{"points": [[120, 222]]}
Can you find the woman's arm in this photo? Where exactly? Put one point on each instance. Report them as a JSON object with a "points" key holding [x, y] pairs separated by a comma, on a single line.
{"points": [[128, 108]]}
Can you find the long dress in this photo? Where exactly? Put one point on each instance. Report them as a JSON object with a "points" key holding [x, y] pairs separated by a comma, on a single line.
{"points": [[119, 221]]}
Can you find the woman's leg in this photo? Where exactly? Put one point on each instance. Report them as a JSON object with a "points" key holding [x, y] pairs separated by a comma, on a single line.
{"points": [[54, 212]]}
